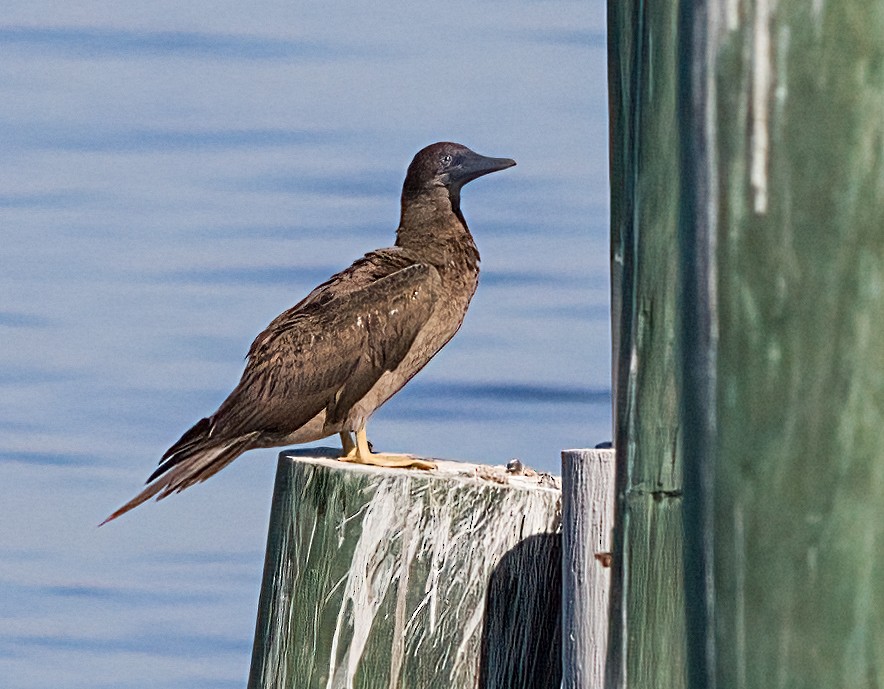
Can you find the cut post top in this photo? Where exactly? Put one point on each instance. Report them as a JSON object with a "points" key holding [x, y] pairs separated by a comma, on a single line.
{"points": [[515, 475]]}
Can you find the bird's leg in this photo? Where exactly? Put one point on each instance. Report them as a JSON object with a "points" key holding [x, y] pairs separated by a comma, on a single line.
{"points": [[349, 447], [363, 455]]}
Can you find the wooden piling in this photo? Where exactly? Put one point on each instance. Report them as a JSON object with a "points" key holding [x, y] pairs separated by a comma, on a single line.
{"points": [[587, 525], [783, 251], [647, 648], [390, 578]]}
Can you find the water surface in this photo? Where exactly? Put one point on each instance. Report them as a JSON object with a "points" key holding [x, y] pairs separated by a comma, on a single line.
{"points": [[173, 176]]}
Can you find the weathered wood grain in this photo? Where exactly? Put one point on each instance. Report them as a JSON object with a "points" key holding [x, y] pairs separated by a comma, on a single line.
{"points": [[587, 523], [647, 649], [784, 339], [383, 579]]}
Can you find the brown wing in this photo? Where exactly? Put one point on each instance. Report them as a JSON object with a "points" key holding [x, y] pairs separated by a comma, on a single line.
{"points": [[364, 272], [327, 352]]}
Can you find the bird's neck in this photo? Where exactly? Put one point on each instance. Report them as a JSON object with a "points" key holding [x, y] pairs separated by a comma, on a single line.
{"points": [[432, 225]]}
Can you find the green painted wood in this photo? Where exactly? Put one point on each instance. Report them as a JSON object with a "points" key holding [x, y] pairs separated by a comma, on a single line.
{"points": [[647, 626], [385, 579], [785, 141]]}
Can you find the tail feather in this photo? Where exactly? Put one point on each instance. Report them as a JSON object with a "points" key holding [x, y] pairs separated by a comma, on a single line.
{"points": [[197, 438], [191, 460]]}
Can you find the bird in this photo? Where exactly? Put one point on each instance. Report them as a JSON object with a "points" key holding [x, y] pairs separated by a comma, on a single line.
{"points": [[325, 365]]}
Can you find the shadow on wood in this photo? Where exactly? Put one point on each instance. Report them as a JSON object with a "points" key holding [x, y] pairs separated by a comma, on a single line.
{"points": [[522, 640]]}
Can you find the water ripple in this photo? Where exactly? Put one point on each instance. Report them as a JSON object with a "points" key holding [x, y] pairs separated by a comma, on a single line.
{"points": [[258, 275], [12, 319], [49, 459], [567, 37], [55, 200], [492, 402], [516, 393], [75, 139], [166, 645], [100, 42], [513, 278], [22, 376], [379, 183]]}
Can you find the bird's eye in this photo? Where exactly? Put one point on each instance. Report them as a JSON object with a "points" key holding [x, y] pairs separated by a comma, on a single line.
{"points": [[446, 160]]}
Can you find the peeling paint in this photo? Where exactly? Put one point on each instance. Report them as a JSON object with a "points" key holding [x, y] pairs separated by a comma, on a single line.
{"points": [[732, 14], [402, 592], [762, 68], [369, 578]]}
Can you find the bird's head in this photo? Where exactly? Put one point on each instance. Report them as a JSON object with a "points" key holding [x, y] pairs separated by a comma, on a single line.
{"points": [[448, 165]]}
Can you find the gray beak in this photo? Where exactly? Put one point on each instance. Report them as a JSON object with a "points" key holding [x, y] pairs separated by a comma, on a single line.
{"points": [[474, 165]]}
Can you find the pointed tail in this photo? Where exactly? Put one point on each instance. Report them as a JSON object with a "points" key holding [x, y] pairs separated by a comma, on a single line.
{"points": [[194, 458]]}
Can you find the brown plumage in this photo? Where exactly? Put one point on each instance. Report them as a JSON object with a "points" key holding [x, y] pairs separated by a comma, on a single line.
{"points": [[325, 365]]}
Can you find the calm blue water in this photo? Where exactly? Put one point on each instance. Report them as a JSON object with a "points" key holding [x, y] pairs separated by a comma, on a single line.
{"points": [[176, 174]]}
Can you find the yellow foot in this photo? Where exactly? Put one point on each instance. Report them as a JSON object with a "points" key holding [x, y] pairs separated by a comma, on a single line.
{"points": [[360, 453], [383, 459]]}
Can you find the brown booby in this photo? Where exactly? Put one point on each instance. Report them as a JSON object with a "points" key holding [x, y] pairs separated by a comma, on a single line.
{"points": [[325, 365]]}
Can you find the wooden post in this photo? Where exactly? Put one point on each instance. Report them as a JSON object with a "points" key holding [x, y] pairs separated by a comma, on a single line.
{"points": [[587, 523], [384, 578], [783, 241], [647, 647]]}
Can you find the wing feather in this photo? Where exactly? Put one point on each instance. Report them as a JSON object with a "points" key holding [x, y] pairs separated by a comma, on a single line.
{"points": [[328, 351]]}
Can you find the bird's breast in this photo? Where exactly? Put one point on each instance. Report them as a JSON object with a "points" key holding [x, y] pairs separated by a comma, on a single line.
{"points": [[458, 287]]}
